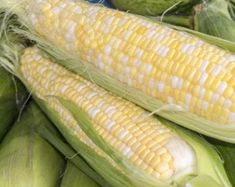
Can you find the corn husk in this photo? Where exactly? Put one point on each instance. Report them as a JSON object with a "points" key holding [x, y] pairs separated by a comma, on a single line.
{"points": [[73, 177], [52, 136], [213, 18], [226, 152], [26, 159], [12, 97], [152, 7]]}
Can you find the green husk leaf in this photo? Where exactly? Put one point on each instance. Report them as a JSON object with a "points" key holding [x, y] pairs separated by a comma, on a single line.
{"points": [[213, 18], [71, 155], [73, 177], [152, 7], [26, 159], [12, 97], [184, 21], [227, 152], [201, 181]]}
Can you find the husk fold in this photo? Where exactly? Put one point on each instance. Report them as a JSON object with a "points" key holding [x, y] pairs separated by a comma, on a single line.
{"points": [[52, 136]]}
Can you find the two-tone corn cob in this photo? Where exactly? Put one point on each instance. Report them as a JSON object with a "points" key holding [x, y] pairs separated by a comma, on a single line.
{"points": [[162, 65], [148, 143], [150, 150]]}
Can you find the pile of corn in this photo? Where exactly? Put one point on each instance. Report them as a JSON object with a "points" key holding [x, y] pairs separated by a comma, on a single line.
{"points": [[109, 93]]}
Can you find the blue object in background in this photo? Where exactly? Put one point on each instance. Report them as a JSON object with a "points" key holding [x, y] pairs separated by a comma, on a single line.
{"points": [[104, 2]]}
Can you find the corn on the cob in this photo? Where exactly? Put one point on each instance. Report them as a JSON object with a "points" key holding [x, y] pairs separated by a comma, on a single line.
{"points": [[114, 119], [73, 177], [149, 149], [163, 66], [27, 160]]}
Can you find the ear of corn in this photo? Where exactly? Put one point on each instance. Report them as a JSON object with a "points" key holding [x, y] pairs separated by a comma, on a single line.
{"points": [[26, 159], [101, 135], [157, 67], [73, 177]]}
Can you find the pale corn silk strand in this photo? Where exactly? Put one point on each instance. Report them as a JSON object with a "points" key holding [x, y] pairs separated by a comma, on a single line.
{"points": [[169, 65], [148, 144]]}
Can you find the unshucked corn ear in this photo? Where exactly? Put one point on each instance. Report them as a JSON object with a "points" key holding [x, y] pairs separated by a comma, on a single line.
{"points": [[213, 18], [124, 143], [145, 62], [73, 177], [27, 160]]}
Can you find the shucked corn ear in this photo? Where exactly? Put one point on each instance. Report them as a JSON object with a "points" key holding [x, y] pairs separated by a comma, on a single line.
{"points": [[147, 63], [73, 177], [121, 141], [26, 159]]}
